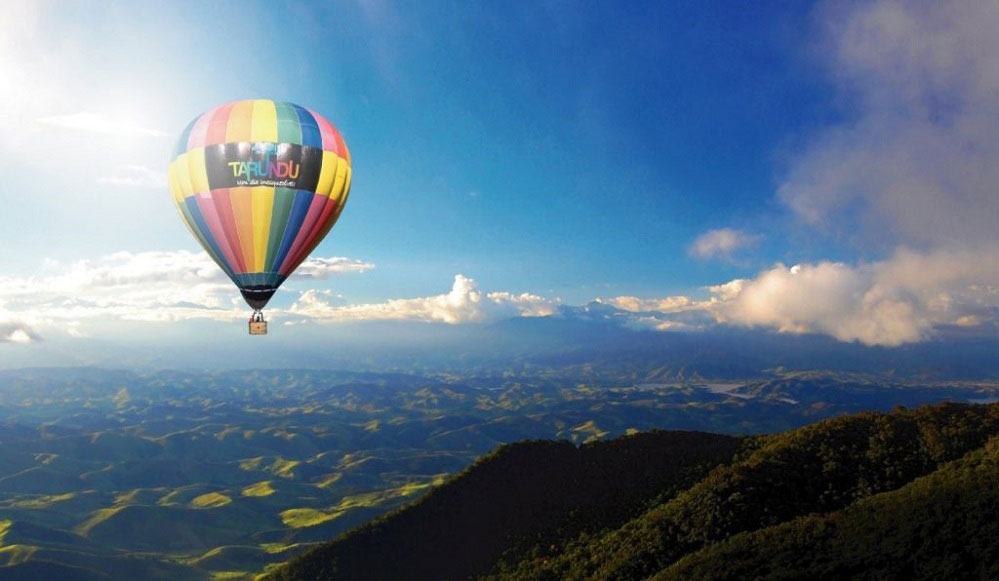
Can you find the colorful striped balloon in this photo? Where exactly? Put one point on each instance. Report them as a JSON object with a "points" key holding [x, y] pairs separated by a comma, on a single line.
{"points": [[259, 183]]}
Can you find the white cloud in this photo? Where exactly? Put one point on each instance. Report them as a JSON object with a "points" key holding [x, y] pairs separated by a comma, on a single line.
{"points": [[320, 268], [661, 324], [676, 313], [18, 333], [99, 123], [899, 300], [902, 299], [636, 305], [720, 243], [730, 289], [182, 285], [135, 176], [19, 336], [131, 286], [465, 303], [915, 160], [504, 304], [75, 329]]}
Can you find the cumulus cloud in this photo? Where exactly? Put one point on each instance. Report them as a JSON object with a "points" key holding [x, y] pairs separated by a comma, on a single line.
{"points": [[915, 160], [902, 299], [728, 290], [674, 313], [891, 302], [720, 243], [18, 333], [464, 303]]}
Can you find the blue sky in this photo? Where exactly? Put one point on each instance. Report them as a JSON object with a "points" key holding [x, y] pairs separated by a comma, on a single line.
{"points": [[537, 148], [563, 150]]}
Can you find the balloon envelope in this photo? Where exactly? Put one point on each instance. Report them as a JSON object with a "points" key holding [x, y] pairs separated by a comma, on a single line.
{"points": [[260, 183]]}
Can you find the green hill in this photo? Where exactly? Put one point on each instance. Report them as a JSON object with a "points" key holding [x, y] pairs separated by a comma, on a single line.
{"points": [[691, 505]]}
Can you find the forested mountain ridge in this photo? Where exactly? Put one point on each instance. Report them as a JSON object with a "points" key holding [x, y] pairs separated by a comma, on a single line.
{"points": [[519, 497], [797, 493], [940, 526]]}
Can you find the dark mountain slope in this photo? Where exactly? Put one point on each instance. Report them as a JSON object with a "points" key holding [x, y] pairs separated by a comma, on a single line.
{"points": [[45, 570], [941, 526], [520, 496], [615, 510], [42, 564]]}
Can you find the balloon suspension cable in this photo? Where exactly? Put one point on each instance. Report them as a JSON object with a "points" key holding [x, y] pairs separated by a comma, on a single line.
{"points": [[258, 315]]}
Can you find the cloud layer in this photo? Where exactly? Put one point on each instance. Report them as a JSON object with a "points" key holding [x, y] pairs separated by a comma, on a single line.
{"points": [[900, 300], [182, 285], [144, 286]]}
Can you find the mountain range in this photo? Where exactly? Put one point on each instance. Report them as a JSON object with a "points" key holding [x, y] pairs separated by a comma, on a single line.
{"points": [[597, 340], [226, 474]]}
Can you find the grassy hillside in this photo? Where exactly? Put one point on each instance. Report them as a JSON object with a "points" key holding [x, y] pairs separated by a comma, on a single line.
{"points": [[797, 493]]}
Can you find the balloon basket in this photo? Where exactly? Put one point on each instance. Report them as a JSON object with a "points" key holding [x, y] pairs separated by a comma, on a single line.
{"points": [[258, 326]]}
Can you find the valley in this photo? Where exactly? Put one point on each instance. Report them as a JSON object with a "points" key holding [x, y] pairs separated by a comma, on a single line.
{"points": [[197, 475]]}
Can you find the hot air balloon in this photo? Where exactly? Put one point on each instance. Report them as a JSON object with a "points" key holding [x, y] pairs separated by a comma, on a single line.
{"points": [[259, 183]]}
